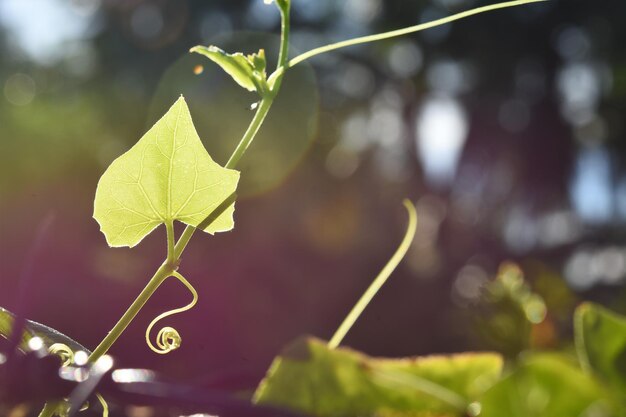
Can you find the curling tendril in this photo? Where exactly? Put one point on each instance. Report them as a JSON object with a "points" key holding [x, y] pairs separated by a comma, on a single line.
{"points": [[168, 338]]}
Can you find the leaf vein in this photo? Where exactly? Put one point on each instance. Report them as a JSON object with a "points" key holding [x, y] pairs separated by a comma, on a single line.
{"points": [[141, 187]]}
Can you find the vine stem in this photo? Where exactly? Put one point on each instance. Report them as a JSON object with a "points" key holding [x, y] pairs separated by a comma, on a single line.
{"points": [[406, 31], [379, 281], [164, 271]]}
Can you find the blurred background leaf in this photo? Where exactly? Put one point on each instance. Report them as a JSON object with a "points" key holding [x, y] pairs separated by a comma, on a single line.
{"points": [[310, 378]]}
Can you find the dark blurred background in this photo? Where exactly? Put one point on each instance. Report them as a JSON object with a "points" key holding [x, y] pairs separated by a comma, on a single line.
{"points": [[506, 129]]}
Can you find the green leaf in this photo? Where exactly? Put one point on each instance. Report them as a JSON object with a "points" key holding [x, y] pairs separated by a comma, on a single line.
{"points": [[248, 71], [545, 385], [32, 329], [601, 344], [166, 176], [310, 378]]}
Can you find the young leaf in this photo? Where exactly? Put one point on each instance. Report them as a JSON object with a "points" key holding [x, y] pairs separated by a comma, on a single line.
{"points": [[166, 176], [311, 378], [601, 344], [247, 71]]}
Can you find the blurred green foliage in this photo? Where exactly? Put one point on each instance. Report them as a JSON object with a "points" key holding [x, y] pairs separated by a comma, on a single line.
{"points": [[310, 378]]}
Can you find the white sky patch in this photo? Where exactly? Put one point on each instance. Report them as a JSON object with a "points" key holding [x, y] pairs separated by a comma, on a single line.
{"points": [[442, 128]]}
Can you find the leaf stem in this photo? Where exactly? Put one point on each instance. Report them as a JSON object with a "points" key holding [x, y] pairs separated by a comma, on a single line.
{"points": [[405, 31], [379, 281], [171, 241]]}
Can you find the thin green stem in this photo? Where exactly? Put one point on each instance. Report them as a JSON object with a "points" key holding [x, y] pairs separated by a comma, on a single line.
{"points": [[379, 281], [183, 240], [160, 275], [276, 79], [284, 34], [248, 137], [405, 31]]}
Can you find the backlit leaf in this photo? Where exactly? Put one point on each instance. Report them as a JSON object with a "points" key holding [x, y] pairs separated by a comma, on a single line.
{"points": [[168, 175]]}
